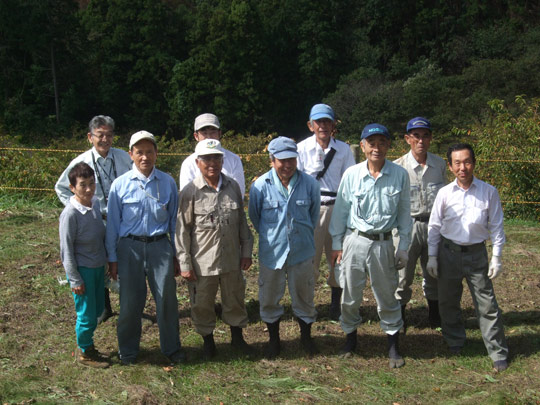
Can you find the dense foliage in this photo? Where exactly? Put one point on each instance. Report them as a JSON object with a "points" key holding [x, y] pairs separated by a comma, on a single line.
{"points": [[260, 64]]}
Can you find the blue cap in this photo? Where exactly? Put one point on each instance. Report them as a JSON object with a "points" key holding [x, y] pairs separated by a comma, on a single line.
{"points": [[283, 148], [418, 122], [319, 111], [374, 129]]}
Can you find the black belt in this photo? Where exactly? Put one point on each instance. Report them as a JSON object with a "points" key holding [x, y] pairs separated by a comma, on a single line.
{"points": [[374, 236], [454, 247], [147, 239], [329, 193], [329, 202], [422, 219]]}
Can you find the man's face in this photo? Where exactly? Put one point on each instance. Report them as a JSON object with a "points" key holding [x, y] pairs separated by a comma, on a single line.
{"points": [[375, 148], [210, 166], [285, 168], [102, 139], [144, 156], [419, 140], [322, 128], [462, 166], [208, 132], [84, 190]]}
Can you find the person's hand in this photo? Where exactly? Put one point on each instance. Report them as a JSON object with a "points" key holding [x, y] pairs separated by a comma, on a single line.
{"points": [[113, 270], [176, 264], [432, 266], [245, 263], [402, 257], [336, 257], [188, 275], [80, 290], [495, 267]]}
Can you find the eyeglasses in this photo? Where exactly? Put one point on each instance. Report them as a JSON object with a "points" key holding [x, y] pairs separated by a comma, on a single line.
{"points": [[211, 158], [103, 135]]}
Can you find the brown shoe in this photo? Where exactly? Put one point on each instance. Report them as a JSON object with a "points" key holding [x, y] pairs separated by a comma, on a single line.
{"points": [[92, 358]]}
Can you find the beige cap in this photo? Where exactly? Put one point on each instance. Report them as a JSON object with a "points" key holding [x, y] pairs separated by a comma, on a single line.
{"points": [[206, 120], [139, 136]]}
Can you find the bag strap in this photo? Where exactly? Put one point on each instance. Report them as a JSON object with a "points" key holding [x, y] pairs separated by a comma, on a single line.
{"points": [[327, 161]]}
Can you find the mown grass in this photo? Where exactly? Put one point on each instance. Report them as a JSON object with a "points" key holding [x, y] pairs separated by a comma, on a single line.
{"points": [[37, 340]]}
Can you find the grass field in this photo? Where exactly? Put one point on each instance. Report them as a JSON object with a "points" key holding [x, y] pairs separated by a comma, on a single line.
{"points": [[37, 341]]}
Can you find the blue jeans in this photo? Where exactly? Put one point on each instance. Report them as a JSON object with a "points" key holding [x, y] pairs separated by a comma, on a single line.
{"points": [[89, 305]]}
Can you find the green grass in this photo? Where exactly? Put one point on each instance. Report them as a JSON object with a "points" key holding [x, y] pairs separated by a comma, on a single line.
{"points": [[37, 338]]}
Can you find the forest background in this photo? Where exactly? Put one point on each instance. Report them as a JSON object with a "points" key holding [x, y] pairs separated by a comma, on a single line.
{"points": [[471, 67]]}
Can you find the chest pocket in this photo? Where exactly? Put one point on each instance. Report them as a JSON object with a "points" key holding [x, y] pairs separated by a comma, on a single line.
{"points": [[302, 208], [270, 211], [159, 211], [416, 198], [131, 209], [230, 212], [205, 216], [389, 199], [432, 190], [478, 214]]}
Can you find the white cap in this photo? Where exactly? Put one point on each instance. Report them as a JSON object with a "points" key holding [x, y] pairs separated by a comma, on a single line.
{"points": [[208, 147], [139, 136], [206, 120]]}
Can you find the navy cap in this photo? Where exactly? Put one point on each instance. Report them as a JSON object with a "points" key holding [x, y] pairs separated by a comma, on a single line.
{"points": [[319, 111], [418, 122], [374, 129], [283, 148]]}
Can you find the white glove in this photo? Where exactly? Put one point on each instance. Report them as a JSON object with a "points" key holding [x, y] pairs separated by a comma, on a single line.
{"points": [[402, 257], [495, 267], [432, 266]]}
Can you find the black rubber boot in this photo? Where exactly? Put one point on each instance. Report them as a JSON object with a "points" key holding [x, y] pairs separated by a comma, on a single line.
{"points": [[305, 338], [404, 318], [209, 346], [433, 316], [335, 304], [396, 361], [350, 345], [274, 344], [238, 342]]}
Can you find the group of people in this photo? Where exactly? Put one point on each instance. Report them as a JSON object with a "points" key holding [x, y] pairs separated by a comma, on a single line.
{"points": [[375, 218]]}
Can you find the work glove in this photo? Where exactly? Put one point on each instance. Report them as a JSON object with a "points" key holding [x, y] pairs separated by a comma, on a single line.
{"points": [[432, 266], [495, 267], [402, 257]]}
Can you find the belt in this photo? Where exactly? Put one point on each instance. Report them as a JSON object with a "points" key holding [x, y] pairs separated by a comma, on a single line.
{"points": [[328, 193], [454, 247], [422, 219], [374, 236], [147, 239], [329, 202]]}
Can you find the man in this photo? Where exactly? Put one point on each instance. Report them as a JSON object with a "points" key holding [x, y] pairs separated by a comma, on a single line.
{"points": [[465, 214], [284, 209], [326, 159], [427, 174], [372, 200], [141, 215], [207, 127], [214, 246], [108, 163]]}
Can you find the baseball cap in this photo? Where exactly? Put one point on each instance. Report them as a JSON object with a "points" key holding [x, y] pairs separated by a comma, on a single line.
{"points": [[319, 111], [208, 147], [139, 136], [206, 120], [418, 122], [374, 129], [283, 148]]}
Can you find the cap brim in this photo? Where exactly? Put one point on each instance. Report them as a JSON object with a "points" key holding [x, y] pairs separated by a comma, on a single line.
{"points": [[319, 116], [286, 155]]}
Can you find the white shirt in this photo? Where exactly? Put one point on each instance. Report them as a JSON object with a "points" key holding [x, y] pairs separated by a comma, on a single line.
{"points": [[311, 161], [426, 181], [232, 167], [467, 217]]}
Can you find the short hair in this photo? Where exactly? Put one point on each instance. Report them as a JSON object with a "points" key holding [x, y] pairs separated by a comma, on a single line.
{"points": [[272, 157], [458, 147], [80, 170], [100, 121]]}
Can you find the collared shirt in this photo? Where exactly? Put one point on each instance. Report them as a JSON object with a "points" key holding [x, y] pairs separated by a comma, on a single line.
{"points": [[285, 225], [286, 191], [117, 161], [467, 216], [373, 205], [426, 181], [311, 161], [232, 167], [140, 206], [212, 233]]}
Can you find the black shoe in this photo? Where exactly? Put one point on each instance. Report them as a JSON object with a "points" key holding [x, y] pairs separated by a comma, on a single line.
{"points": [[350, 345], [305, 338], [238, 342], [455, 350], [335, 304], [500, 365], [209, 346], [274, 344], [434, 316], [396, 361], [178, 358]]}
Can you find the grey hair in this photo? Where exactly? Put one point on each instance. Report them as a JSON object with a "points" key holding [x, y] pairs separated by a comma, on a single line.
{"points": [[271, 157], [100, 121]]}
